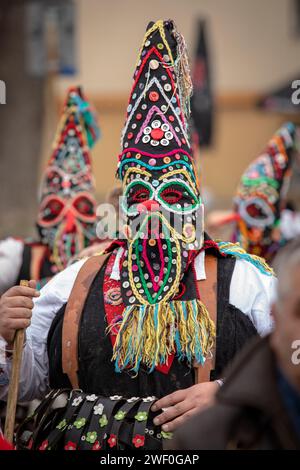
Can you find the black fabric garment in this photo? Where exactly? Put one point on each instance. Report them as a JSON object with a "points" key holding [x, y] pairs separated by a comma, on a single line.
{"points": [[25, 270], [234, 328], [96, 370]]}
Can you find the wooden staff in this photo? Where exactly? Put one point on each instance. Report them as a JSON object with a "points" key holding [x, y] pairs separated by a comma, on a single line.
{"points": [[14, 381]]}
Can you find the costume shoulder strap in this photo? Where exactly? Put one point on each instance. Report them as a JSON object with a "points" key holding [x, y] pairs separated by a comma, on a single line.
{"points": [[208, 294], [234, 249], [73, 314]]}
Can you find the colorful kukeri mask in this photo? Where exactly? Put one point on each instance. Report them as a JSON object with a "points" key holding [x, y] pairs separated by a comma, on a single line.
{"points": [[67, 213], [164, 214], [163, 207], [261, 195]]}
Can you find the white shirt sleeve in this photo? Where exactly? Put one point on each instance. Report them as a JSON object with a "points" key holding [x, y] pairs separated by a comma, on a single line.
{"points": [[290, 224], [11, 254], [34, 377], [252, 292]]}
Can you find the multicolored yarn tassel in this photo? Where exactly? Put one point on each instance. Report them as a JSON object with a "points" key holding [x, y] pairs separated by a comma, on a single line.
{"points": [[183, 73], [90, 121], [234, 249], [148, 334]]}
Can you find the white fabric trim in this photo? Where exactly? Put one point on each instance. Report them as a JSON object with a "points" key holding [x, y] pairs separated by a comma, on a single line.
{"points": [[199, 265], [115, 273], [11, 255]]}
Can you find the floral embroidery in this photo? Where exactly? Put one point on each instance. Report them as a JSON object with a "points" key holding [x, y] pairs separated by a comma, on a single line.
{"points": [[132, 399], [148, 399], [70, 446], [96, 446], [115, 397], [77, 401], [103, 421], [120, 415], [112, 441], [91, 437], [79, 422], [158, 132], [138, 440], [92, 397], [44, 445], [166, 435], [141, 416], [98, 409], [113, 296], [62, 425]]}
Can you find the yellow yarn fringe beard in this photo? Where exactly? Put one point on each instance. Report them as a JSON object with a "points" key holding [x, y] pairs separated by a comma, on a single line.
{"points": [[148, 334]]}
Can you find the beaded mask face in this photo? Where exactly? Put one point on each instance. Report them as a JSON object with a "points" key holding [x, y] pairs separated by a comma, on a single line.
{"points": [[67, 214], [261, 194], [164, 225]]}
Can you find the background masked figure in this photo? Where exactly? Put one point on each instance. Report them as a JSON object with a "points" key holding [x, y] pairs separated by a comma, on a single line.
{"points": [[144, 319], [261, 195], [67, 207], [261, 218]]}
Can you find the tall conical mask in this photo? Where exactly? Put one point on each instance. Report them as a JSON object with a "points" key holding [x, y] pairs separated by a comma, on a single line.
{"points": [[162, 204], [67, 212]]}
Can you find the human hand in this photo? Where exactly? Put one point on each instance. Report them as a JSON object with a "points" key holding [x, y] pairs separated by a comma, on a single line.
{"points": [[16, 310], [182, 404]]}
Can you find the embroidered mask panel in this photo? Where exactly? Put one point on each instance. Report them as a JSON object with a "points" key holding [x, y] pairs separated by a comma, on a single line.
{"points": [[161, 201], [164, 227], [67, 225], [67, 213]]}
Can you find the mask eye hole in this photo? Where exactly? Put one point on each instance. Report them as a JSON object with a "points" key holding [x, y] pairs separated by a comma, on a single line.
{"points": [[135, 193], [52, 210], [171, 195], [140, 195], [256, 212], [84, 206]]}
